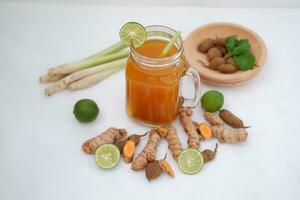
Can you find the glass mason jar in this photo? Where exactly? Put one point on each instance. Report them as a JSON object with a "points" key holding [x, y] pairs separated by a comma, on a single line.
{"points": [[153, 82]]}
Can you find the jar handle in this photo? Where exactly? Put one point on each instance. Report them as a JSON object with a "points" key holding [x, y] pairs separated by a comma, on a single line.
{"points": [[193, 74]]}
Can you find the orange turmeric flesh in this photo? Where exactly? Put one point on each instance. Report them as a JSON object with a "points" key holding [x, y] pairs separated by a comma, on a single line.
{"points": [[205, 130], [129, 148]]}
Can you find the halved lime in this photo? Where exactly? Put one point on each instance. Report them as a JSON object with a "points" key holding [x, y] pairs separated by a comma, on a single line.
{"points": [[133, 33], [190, 161], [107, 156]]}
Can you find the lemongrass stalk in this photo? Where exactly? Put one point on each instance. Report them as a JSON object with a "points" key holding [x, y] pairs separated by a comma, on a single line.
{"points": [[171, 43], [92, 80], [79, 65], [50, 78], [89, 71], [56, 87], [112, 49], [79, 75]]}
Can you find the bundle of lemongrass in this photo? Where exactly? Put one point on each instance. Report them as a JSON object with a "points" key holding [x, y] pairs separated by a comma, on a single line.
{"points": [[87, 72]]}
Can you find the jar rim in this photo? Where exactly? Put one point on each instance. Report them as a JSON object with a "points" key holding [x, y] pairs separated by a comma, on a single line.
{"points": [[159, 62]]}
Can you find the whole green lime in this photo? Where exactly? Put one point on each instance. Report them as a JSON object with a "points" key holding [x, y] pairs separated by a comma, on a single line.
{"points": [[212, 100], [85, 110]]}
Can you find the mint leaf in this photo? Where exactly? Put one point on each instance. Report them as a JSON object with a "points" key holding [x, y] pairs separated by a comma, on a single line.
{"points": [[245, 61], [241, 46], [230, 42]]}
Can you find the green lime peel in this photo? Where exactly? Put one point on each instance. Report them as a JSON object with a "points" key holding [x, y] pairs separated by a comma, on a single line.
{"points": [[171, 43]]}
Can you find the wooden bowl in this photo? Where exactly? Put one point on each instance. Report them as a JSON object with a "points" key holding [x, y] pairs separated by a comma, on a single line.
{"points": [[213, 77]]}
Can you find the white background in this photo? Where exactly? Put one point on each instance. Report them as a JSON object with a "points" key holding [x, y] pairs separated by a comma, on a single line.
{"points": [[40, 141], [211, 3]]}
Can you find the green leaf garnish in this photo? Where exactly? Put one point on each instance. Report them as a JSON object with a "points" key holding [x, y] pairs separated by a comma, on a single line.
{"points": [[240, 47], [230, 42], [245, 61]]}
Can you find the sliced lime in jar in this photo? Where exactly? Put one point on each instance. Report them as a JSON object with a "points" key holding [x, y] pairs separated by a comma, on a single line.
{"points": [[133, 34]]}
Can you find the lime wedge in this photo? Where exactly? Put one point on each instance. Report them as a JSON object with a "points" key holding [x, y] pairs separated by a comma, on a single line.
{"points": [[171, 43], [190, 161], [107, 156], [133, 33]]}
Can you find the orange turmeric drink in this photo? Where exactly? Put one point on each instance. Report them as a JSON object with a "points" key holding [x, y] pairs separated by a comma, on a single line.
{"points": [[153, 80]]}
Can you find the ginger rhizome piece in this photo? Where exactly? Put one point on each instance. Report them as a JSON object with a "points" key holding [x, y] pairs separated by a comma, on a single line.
{"points": [[148, 153], [229, 135], [163, 132], [213, 119], [128, 151], [225, 134], [208, 154], [194, 138], [174, 144], [107, 137], [205, 130]]}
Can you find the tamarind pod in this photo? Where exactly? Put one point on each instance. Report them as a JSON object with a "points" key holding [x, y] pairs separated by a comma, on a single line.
{"points": [[213, 53], [227, 68], [107, 137], [220, 41], [232, 120], [222, 49], [230, 61], [205, 45], [214, 63]]}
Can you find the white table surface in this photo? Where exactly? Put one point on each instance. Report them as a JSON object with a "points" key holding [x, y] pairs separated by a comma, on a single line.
{"points": [[40, 141]]}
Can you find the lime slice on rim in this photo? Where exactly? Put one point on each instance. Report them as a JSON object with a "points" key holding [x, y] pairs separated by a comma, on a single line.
{"points": [[133, 33], [190, 161], [107, 156]]}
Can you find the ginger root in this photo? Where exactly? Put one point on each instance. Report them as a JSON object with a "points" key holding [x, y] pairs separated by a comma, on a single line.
{"points": [[225, 134], [148, 153], [107, 137], [213, 119], [174, 144], [194, 138], [229, 135]]}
